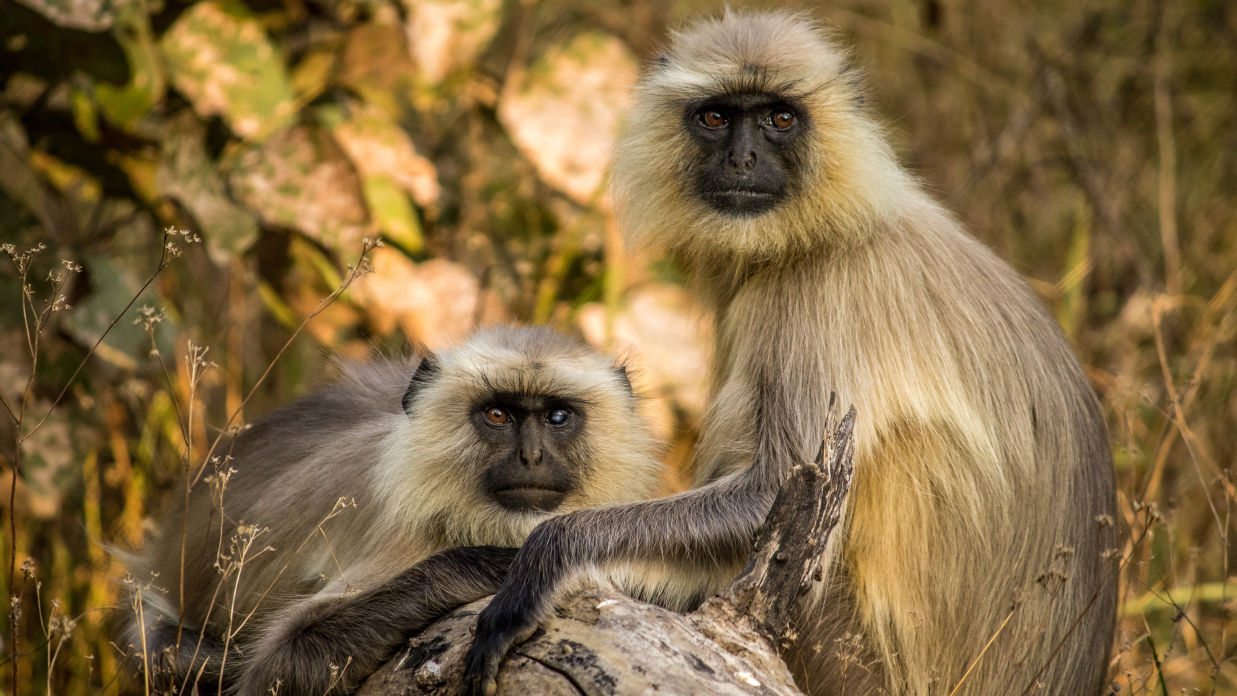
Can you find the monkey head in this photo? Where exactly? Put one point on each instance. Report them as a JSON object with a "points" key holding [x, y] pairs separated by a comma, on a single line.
{"points": [[530, 437], [509, 428], [748, 139]]}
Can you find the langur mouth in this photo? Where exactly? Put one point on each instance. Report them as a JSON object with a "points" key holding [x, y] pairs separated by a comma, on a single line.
{"points": [[529, 498], [741, 202]]}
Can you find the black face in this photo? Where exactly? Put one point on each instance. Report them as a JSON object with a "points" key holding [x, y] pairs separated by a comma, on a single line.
{"points": [[531, 441], [747, 146]]}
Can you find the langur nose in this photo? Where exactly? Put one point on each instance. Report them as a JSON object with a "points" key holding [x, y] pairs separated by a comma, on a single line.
{"points": [[530, 455], [742, 159]]}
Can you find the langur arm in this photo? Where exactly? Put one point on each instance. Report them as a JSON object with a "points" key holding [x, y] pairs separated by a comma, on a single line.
{"points": [[332, 645], [709, 525]]}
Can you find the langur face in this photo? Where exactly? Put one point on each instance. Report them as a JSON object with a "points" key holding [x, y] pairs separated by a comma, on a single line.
{"points": [[748, 159], [529, 442]]}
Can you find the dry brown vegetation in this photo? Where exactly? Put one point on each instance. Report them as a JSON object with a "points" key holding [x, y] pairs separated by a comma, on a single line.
{"points": [[1091, 143]]}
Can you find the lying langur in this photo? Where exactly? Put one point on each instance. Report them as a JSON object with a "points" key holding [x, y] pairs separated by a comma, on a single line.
{"points": [[978, 554], [297, 555]]}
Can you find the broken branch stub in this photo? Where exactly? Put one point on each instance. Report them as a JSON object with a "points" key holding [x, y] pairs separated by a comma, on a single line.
{"points": [[785, 562]]}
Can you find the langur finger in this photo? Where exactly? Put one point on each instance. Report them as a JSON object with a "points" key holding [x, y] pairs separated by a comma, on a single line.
{"points": [[480, 677]]}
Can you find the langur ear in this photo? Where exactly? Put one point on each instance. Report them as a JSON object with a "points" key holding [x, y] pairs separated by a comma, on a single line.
{"points": [[426, 373], [621, 371]]}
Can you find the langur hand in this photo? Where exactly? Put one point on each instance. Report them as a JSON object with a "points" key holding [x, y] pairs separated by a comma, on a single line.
{"points": [[525, 598], [500, 626]]}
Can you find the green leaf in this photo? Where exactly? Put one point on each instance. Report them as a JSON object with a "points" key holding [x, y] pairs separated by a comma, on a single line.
{"points": [[300, 179], [393, 174], [392, 212], [85, 116], [87, 15], [125, 105], [188, 174], [221, 59]]}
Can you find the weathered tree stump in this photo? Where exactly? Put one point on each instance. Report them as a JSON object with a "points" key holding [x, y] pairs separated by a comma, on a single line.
{"points": [[602, 642]]}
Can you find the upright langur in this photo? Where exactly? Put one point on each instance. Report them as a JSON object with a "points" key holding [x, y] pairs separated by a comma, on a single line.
{"points": [[283, 580], [982, 501]]}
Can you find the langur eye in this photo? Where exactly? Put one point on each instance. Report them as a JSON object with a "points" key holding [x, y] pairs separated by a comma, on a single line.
{"points": [[781, 120], [497, 416], [712, 118], [558, 416]]}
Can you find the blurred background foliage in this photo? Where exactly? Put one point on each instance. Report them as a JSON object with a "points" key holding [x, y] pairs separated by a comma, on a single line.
{"points": [[1090, 142]]}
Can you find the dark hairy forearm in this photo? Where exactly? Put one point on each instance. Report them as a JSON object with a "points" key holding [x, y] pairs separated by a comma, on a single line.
{"points": [[712, 526], [332, 645]]}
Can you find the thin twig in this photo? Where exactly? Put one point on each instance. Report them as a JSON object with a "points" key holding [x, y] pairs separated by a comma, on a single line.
{"points": [[1178, 415], [7, 408], [354, 272], [163, 263], [987, 645]]}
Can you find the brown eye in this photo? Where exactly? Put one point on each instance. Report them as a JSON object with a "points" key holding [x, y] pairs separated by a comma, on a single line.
{"points": [[781, 120], [497, 416], [712, 118]]}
